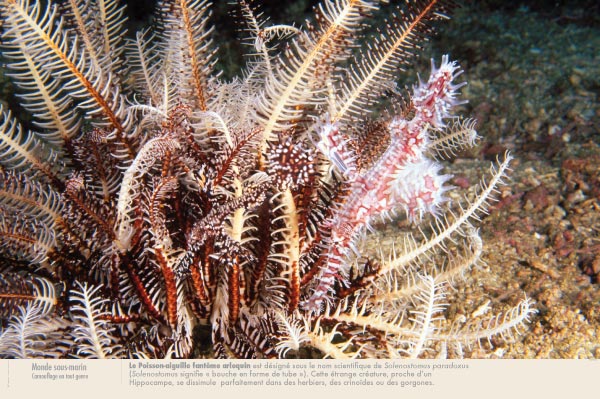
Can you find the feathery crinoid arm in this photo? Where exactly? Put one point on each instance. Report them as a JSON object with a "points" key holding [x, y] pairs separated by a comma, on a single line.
{"points": [[188, 56], [91, 333], [153, 151], [26, 239], [63, 54], [145, 67], [28, 212], [30, 204], [25, 151], [302, 72], [17, 290], [100, 24], [27, 326], [41, 95], [504, 325], [458, 135], [31, 333], [396, 46]]}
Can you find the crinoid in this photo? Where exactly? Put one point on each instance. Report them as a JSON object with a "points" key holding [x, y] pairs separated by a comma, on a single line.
{"points": [[151, 199]]}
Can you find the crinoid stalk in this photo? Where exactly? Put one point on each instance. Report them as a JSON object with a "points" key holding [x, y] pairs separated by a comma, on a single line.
{"points": [[152, 199]]}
